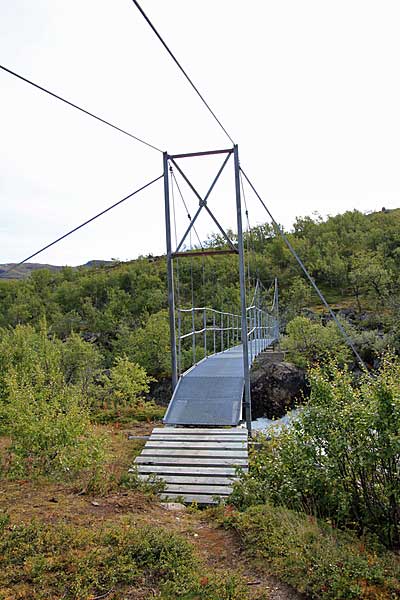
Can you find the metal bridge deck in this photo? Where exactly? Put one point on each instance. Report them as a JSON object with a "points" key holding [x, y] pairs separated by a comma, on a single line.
{"points": [[211, 392]]}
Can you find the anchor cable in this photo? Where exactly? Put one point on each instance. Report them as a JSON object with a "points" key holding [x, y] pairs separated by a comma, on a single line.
{"points": [[83, 110], [103, 212]]}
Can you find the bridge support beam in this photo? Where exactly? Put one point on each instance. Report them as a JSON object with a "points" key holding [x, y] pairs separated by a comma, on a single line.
{"points": [[170, 275], [246, 368]]}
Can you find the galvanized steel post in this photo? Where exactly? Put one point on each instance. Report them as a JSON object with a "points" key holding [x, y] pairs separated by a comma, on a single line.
{"points": [[246, 371], [277, 308], [179, 342], [205, 332], [193, 337], [214, 330], [170, 275]]}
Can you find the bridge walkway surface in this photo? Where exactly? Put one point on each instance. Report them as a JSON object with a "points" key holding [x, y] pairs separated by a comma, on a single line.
{"points": [[198, 452]]}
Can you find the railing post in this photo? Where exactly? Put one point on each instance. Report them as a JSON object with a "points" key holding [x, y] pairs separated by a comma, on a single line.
{"points": [[179, 343], [170, 274], [254, 332], [222, 332], [246, 371], [214, 331], [263, 329], [193, 337], [205, 332], [277, 309]]}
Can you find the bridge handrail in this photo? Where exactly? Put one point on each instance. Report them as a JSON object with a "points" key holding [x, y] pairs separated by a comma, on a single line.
{"points": [[197, 331], [203, 308], [222, 312], [221, 330]]}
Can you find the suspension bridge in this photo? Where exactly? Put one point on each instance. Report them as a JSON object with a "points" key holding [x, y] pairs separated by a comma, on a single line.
{"points": [[208, 420], [203, 443]]}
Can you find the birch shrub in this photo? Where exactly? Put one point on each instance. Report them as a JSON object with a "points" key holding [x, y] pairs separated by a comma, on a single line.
{"points": [[50, 432], [45, 417], [341, 459]]}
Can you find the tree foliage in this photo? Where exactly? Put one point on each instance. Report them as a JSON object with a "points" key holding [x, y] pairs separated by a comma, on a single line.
{"points": [[340, 459]]}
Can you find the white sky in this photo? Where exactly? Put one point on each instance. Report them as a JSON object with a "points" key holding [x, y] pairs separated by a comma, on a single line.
{"points": [[308, 89]]}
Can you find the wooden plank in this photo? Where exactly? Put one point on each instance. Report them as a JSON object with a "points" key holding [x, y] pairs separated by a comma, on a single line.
{"points": [[184, 479], [196, 438], [189, 498], [195, 431], [191, 470], [194, 452], [213, 490], [198, 461], [198, 445]]}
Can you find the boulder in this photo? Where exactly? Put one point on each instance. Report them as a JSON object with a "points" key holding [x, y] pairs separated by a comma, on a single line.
{"points": [[276, 387], [160, 391]]}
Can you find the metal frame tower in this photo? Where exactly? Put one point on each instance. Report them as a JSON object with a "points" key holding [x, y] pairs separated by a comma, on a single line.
{"points": [[235, 249]]}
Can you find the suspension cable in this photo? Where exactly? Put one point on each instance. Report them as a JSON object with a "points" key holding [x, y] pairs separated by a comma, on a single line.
{"points": [[178, 64], [278, 228], [178, 286], [248, 237], [176, 236], [185, 205], [83, 110], [103, 212]]}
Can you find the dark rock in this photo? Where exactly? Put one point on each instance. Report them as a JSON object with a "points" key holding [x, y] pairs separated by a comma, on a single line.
{"points": [[90, 337], [161, 391], [310, 314], [276, 387]]}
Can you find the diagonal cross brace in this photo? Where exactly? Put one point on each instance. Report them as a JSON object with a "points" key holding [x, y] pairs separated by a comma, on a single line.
{"points": [[203, 204]]}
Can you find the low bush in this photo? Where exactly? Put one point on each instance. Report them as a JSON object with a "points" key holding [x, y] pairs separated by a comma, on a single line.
{"points": [[50, 431], [340, 457], [41, 562], [124, 386], [313, 557], [147, 411], [308, 341]]}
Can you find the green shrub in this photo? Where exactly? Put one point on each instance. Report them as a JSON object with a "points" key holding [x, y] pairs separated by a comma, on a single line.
{"points": [[41, 562], [34, 358], [313, 557], [124, 386], [50, 431], [148, 345], [308, 341], [80, 361], [147, 411], [340, 458]]}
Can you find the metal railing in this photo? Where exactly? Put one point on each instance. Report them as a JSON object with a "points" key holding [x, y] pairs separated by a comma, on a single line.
{"points": [[204, 331]]}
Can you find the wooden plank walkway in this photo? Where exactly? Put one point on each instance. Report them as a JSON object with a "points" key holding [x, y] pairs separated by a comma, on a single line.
{"points": [[197, 464]]}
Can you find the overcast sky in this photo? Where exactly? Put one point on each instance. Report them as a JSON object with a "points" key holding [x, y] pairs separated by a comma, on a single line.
{"points": [[309, 89]]}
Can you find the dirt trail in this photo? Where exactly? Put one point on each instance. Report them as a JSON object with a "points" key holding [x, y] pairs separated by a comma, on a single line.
{"points": [[220, 549]]}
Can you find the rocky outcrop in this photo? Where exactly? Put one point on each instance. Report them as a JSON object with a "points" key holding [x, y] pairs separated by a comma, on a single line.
{"points": [[161, 391], [276, 386]]}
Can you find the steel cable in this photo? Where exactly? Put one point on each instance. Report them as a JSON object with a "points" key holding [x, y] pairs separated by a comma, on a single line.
{"points": [[103, 212], [83, 110], [307, 274], [181, 68]]}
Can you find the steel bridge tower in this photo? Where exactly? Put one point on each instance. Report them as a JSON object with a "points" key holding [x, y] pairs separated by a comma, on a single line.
{"points": [[236, 249]]}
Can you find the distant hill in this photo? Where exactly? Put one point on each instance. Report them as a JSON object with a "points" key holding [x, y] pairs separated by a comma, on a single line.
{"points": [[26, 269]]}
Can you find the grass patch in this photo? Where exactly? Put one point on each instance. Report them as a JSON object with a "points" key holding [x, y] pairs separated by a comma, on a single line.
{"points": [[148, 412], [314, 558]]}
